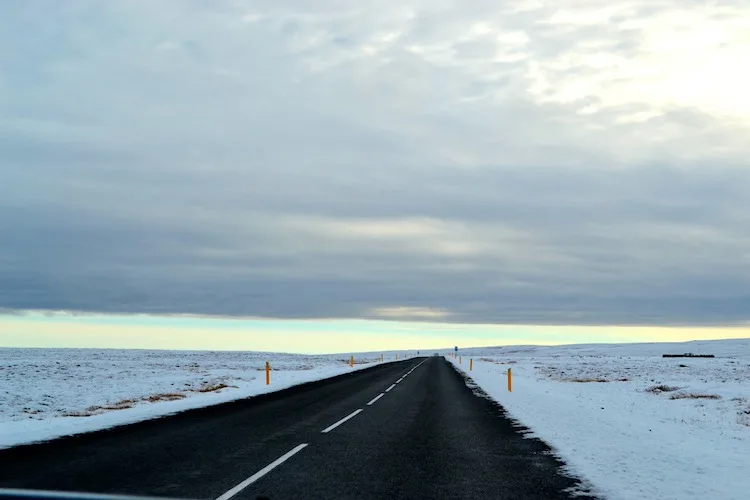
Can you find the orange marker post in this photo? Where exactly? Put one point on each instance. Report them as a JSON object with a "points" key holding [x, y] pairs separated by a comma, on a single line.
{"points": [[459, 360], [351, 361], [268, 373], [471, 364], [510, 380]]}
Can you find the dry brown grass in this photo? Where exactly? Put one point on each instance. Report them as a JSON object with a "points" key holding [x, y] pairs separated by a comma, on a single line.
{"points": [[594, 380], [97, 410], [658, 389], [168, 396], [212, 387], [120, 405], [77, 414], [690, 395], [498, 361], [126, 402]]}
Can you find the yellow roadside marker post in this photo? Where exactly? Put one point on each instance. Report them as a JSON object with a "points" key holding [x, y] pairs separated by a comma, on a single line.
{"points": [[510, 380]]}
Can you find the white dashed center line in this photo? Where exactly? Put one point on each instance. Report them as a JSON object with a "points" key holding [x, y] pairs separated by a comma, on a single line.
{"points": [[376, 398], [265, 470], [268, 468], [351, 415]]}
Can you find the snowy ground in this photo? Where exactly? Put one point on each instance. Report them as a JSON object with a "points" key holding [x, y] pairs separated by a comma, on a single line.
{"points": [[600, 408], [48, 393], [631, 423]]}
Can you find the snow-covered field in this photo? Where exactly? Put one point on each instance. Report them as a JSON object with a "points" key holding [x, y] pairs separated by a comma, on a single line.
{"points": [[48, 393], [632, 424], [601, 408]]}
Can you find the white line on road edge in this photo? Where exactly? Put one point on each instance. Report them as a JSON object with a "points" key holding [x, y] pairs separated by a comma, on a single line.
{"points": [[391, 387], [376, 398], [352, 415], [399, 380], [265, 470]]}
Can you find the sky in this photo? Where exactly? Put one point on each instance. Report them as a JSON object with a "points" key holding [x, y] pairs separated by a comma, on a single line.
{"points": [[410, 163]]}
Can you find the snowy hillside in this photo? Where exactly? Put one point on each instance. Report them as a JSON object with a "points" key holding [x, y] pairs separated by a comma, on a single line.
{"points": [[47, 393], [634, 424]]}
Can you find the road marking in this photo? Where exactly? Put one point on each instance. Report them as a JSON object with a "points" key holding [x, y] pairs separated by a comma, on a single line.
{"points": [[376, 398], [399, 380], [331, 427], [391, 387], [265, 470]]}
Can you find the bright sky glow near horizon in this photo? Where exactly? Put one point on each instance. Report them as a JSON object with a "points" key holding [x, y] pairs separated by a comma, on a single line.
{"points": [[367, 173], [35, 329]]}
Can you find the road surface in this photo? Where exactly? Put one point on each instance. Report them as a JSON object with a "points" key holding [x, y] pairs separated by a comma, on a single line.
{"points": [[409, 429]]}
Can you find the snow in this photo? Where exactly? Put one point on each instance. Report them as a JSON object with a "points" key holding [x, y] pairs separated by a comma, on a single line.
{"points": [[625, 441], [50, 393]]}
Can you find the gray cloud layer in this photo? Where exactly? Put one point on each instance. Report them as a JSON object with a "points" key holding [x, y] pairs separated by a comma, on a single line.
{"points": [[501, 162]]}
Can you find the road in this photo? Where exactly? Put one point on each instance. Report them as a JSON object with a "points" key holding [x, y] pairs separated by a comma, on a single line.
{"points": [[409, 429]]}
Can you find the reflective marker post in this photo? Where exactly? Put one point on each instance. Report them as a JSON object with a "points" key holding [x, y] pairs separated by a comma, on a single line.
{"points": [[510, 380]]}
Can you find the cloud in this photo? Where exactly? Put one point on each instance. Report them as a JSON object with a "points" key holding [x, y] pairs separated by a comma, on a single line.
{"points": [[406, 313], [507, 162]]}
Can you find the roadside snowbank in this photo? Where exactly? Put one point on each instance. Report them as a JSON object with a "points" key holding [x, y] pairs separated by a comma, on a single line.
{"points": [[49, 393], [599, 407]]}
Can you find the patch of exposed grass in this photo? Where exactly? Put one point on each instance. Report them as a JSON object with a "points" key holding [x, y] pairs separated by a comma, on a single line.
{"points": [[170, 396], [77, 414], [212, 387], [499, 361], [690, 395], [120, 405], [586, 380], [125, 402], [356, 362], [658, 389]]}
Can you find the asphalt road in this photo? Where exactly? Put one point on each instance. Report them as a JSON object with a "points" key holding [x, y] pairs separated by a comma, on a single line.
{"points": [[428, 436]]}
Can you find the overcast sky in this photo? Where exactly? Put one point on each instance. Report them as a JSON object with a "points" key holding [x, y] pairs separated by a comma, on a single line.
{"points": [[538, 162]]}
